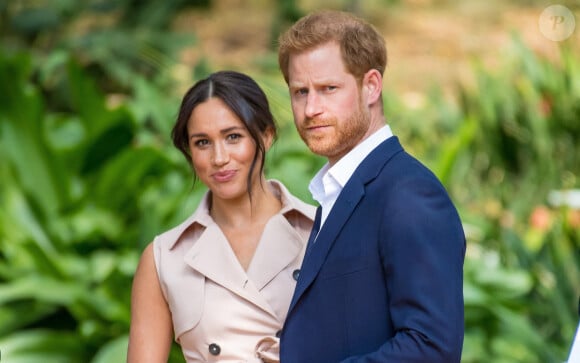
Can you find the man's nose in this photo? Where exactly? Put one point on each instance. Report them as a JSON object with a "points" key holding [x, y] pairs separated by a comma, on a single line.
{"points": [[313, 105]]}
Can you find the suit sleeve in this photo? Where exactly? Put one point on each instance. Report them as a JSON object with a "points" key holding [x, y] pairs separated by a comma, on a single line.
{"points": [[422, 247]]}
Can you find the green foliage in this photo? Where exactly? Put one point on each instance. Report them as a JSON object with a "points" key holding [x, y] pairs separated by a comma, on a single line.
{"points": [[77, 195], [119, 40], [515, 142], [83, 191], [501, 149], [88, 177]]}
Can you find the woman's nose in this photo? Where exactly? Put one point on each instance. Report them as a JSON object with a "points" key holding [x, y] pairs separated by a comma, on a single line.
{"points": [[220, 155]]}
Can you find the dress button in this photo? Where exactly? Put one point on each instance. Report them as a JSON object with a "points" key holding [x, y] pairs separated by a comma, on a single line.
{"points": [[214, 349], [278, 333], [295, 274]]}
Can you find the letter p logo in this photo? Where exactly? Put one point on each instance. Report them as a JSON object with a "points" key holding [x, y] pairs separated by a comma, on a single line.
{"points": [[557, 23]]}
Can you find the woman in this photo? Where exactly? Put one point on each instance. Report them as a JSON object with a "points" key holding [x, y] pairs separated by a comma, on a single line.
{"points": [[221, 282]]}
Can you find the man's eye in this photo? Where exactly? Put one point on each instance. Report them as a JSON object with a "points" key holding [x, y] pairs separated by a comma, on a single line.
{"points": [[301, 92]]}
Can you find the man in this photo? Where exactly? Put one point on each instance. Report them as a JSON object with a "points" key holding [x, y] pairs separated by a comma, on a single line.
{"points": [[382, 279]]}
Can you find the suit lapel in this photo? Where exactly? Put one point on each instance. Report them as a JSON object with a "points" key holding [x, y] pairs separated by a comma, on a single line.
{"points": [[349, 197], [319, 246], [315, 229]]}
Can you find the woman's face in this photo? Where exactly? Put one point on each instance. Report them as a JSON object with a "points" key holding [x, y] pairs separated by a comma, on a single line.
{"points": [[222, 149]]}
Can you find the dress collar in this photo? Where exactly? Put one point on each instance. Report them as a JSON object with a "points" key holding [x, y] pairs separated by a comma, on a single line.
{"points": [[202, 217]]}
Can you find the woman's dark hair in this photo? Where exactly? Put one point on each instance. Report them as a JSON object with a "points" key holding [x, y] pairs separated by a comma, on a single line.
{"points": [[243, 96]]}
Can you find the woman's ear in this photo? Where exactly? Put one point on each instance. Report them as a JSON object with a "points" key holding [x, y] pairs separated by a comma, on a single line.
{"points": [[268, 137], [372, 86]]}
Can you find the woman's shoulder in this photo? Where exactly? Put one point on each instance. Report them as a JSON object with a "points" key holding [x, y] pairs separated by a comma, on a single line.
{"points": [[198, 220], [291, 203]]}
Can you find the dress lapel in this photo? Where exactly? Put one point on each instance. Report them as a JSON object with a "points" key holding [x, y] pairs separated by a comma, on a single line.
{"points": [[213, 257], [279, 246]]}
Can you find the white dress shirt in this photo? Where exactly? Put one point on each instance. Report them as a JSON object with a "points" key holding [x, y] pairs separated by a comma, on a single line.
{"points": [[329, 181]]}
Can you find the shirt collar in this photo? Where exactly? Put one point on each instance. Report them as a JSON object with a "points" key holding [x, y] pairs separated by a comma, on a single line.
{"points": [[345, 167]]}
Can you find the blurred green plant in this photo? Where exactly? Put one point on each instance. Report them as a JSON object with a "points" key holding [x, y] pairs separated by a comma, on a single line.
{"points": [[78, 190], [85, 186], [501, 147], [512, 139], [116, 39], [88, 177]]}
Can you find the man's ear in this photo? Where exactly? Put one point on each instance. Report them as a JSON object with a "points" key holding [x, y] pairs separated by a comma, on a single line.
{"points": [[372, 86]]}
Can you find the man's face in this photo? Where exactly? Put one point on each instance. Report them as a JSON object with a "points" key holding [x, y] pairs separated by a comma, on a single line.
{"points": [[326, 102]]}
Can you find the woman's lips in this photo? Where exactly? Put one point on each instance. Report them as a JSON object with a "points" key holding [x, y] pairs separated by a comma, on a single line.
{"points": [[224, 176]]}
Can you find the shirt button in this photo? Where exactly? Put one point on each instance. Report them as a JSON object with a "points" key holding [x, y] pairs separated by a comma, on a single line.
{"points": [[295, 274], [214, 349]]}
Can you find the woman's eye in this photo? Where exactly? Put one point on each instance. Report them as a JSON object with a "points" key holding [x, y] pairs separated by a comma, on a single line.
{"points": [[234, 137], [201, 142]]}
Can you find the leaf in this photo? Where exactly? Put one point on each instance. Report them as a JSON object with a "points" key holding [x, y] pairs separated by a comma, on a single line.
{"points": [[503, 283], [107, 144], [132, 168], [27, 235], [114, 351], [86, 99], [49, 291], [473, 295], [450, 151], [23, 146], [42, 346], [19, 314], [34, 20]]}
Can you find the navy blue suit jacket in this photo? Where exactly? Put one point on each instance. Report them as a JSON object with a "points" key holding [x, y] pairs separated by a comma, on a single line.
{"points": [[383, 282]]}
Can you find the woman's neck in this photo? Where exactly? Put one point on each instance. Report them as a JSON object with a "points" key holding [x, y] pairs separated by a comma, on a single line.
{"points": [[243, 212]]}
